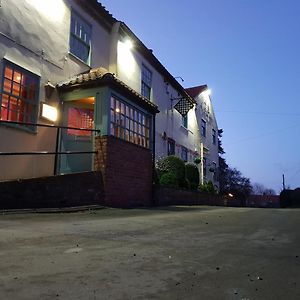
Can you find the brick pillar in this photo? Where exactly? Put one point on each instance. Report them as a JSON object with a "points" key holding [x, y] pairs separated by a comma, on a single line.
{"points": [[127, 172]]}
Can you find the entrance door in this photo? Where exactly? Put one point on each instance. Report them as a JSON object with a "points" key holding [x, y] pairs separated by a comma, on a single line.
{"points": [[79, 114]]}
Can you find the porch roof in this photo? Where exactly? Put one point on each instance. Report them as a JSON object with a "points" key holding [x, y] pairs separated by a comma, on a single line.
{"points": [[101, 77]]}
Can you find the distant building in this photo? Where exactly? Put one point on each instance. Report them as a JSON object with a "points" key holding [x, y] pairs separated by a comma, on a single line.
{"points": [[73, 59]]}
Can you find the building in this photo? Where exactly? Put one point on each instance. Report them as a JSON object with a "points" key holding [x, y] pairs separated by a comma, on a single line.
{"points": [[71, 63]]}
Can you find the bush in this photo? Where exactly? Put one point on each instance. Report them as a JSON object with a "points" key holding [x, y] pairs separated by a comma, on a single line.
{"points": [[207, 188], [192, 175], [172, 164], [169, 180]]}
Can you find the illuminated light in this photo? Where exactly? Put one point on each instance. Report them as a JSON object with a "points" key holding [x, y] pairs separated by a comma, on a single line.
{"points": [[207, 92], [128, 44], [230, 195], [49, 112], [50, 9], [117, 110], [126, 61]]}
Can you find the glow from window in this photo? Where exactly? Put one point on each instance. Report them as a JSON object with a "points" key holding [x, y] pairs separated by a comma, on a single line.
{"points": [[126, 60], [49, 112], [54, 10]]}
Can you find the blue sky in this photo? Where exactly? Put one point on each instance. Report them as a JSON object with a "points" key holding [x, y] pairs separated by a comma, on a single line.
{"points": [[248, 52]]}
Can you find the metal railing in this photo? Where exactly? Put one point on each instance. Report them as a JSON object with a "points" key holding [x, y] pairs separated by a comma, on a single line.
{"points": [[56, 152]]}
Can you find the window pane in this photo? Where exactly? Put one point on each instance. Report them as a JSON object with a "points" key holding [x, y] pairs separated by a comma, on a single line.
{"points": [[112, 102], [16, 89], [8, 73], [17, 77], [7, 85]]}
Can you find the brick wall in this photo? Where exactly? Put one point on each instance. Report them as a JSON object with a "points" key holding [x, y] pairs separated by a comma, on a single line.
{"points": [[54, 191], [126, 170]]}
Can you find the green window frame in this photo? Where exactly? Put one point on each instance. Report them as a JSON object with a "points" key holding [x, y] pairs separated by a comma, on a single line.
{"points": [[203, 128], [19, 96], [129, 123], [146, 82], [80, 37], [185, 121]]}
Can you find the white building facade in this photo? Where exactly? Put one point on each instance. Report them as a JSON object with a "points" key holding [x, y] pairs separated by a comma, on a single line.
{"points": [[95, 73]]}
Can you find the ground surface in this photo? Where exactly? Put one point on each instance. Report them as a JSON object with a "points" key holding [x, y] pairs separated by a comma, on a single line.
{"points": [[166, 253]]}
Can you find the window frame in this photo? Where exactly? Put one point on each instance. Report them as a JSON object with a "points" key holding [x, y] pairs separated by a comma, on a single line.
{"points": [[146, 86], [214, 137], [203, 127], [184, 153], [170, 147], [74, 36], [136, 128], [32, 104]]}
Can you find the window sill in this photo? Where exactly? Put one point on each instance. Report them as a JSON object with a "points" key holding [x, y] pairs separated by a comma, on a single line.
{"points": [[19, 127], [186, 129], [73, 56]]}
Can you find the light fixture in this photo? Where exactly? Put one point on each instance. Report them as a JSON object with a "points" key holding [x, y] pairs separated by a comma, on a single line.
{"points": [[117, 110], [49, 112], [128, 44], [230, 195]]}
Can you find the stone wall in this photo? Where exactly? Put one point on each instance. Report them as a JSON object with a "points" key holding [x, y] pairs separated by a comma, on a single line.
{"points": [[55, 191], [127, 172]]}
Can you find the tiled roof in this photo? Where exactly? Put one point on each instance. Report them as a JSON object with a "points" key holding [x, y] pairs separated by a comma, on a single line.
{"points": [[196, 90], [100, 76]]}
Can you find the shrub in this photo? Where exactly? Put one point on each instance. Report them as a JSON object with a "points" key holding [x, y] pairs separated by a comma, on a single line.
{"points": [[172, 164], [207, 187], [169, 180], [192, 175], [197, 160]]}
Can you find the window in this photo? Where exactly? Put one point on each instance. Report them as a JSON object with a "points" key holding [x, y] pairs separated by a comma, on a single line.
{"points": [[129, 124], [185, 121], [146, 82], [171, 147], [80, 38], [184, 154], [80, 118], [19, 96], [214, 137], [203, 128]]}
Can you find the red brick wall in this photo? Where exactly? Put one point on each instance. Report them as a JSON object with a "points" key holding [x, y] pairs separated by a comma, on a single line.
{"points": [[126, 170]]}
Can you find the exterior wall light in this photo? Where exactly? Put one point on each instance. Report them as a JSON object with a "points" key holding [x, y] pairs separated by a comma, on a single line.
{"points": [[49, 112], [128, 44]]}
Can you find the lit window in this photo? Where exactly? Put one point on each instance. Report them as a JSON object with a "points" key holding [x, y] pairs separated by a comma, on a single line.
{"points": [[146, 82], [171, 147], [80, 118], [19, 96], [129, 124], [203, 128], [80, 38], [184, 154], [214, 137], [185, 121]]}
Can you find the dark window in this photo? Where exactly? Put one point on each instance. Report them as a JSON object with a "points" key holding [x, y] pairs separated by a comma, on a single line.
{"points": [[214, 137], [171, 147], [146, 82], [185, 121], [184, 154], [80, 38], [19, 96], [128, 123], [203, 128]]}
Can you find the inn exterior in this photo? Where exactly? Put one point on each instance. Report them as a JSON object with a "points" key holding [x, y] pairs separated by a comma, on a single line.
{"points": [[73, 78]]}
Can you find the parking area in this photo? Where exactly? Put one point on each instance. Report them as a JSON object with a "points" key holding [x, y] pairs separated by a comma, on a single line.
{"points": [[197, 252]]}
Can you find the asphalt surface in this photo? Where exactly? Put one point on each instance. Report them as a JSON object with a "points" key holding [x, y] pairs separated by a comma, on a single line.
{"points": [[165, 253]]}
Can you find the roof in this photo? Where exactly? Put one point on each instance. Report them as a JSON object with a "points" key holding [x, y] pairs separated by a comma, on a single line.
{"points": [[101, 77], [196, 90], [148, 54]]}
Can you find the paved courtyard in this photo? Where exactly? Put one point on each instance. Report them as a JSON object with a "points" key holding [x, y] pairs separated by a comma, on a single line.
{"points": [[165, 253]]}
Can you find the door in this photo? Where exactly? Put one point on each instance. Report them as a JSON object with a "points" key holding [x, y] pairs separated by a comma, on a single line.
{"points": [[78, 114]]}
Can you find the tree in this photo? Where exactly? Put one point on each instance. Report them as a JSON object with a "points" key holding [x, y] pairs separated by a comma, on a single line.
{"points": [[260, 189], [231, 180]]}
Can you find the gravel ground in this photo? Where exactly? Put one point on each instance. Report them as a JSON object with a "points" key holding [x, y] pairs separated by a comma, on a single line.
{"points": [[194, 252]]}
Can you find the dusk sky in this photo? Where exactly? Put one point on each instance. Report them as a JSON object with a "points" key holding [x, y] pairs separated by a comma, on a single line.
{"points": [[248, 52]]}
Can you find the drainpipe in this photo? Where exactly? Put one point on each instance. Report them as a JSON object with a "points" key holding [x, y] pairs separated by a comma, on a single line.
{"points": [[153, 159], [201, 164]]}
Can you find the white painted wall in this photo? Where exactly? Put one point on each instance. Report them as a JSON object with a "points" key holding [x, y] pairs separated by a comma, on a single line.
{"points": [[34, 34], [129, 68]]}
